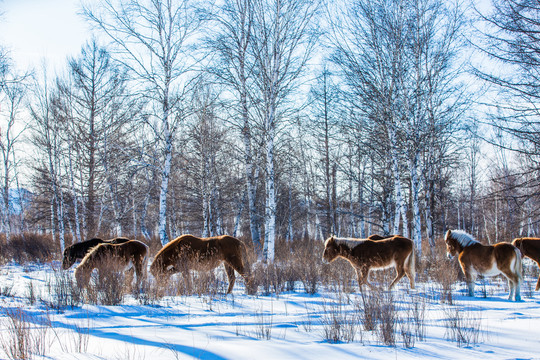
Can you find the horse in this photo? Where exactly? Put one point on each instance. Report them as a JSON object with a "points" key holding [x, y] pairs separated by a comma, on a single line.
{"points": [[77, 251], [132, 253], [188, 252], [529, 247], [365, 255], [488, 260]]}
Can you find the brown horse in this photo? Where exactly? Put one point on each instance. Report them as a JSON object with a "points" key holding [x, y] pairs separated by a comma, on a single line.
{"points": [[529, 247], [190, 252], [129, 254], [78, 250], [488, 260], [365, 255]]}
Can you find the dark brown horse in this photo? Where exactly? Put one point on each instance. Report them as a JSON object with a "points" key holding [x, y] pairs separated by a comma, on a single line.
{"points": [[529, 247], [488, 260], [132, 253], [78, 250], [365, 255], [189, 252]]}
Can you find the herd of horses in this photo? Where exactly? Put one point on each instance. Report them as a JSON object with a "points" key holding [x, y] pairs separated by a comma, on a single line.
{"points": [[377, 252]]}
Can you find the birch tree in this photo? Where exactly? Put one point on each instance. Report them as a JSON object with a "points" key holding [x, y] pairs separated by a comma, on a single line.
{"points": [[398, 58], [509, 36], [152, 38], [12, 94], [283, 39], [234, 67]]}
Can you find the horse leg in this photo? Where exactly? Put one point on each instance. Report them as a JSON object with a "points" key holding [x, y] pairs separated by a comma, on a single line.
{"points": [[140, 271], [538, 282], [238, 265], [470, 278], [129, 271], [231, 276], [400, 272], [362, 275], [513, 285]]}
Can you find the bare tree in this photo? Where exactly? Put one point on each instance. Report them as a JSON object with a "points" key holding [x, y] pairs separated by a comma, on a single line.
{"points": [[398, 58], [283, 39], [324, 131], [152, 37], [12, 94], [510, 38], [234, 68], [96, 110], [47, 137]]}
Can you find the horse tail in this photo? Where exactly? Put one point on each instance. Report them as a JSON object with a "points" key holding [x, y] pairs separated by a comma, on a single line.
{"points": [[518, 266], [412, 263]]}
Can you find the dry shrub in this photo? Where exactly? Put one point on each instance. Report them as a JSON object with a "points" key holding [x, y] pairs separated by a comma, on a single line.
{"points": [[340, 324], [269, 277], [24, 336], [63, 291], [462, 325], [339, 276], [28, 247], [297, 261], [443, 271], [108, 284]]}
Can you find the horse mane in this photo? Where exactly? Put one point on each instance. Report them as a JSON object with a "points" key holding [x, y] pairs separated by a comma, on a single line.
{"points": [[463, 238], [89, 253], [349, 242]]}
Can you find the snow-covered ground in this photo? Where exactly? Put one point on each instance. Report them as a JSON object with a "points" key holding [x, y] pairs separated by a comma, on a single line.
{"points": [[292, 325]]}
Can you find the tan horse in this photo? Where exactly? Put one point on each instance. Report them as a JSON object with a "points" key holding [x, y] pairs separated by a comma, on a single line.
{"points": [[189, 252], [488, 260], [529, 247], [365, 255], [129, 254], [77, 251]]}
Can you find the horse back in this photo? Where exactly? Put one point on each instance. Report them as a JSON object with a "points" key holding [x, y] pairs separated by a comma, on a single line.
{"points": [[383, 252], [485, 257], [529, 247]]}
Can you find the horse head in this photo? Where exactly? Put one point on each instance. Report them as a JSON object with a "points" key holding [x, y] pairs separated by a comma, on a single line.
{"points": [[68, 259], [331, 250]]}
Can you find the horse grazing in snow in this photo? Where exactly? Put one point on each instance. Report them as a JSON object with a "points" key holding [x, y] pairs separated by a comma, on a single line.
{"points": [[529, 247], [365, 255], [488, 260], [189, 252], [77, 251], [126, 255]]}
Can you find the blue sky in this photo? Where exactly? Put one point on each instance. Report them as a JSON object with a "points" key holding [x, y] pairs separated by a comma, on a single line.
{"points": [[34, 30]]}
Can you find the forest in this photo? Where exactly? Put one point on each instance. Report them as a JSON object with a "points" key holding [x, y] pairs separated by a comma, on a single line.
{"points": [[276, 121]]}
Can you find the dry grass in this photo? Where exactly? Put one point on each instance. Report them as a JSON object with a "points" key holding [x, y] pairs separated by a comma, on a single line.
{"points": [[28, 247]]}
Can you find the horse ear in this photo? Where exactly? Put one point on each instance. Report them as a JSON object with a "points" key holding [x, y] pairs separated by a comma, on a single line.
{"points": [[447, 234]]}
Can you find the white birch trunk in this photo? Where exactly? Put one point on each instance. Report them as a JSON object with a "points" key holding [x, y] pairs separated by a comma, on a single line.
{"points": [[74, 194], [401, 207], [415, 189], [270, 211], [165, 174]]}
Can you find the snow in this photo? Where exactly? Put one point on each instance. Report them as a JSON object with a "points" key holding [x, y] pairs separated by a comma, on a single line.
{"points": [[290, 325]]}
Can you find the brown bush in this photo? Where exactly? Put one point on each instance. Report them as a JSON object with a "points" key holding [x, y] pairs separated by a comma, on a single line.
{"points": [[28, 247]]}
